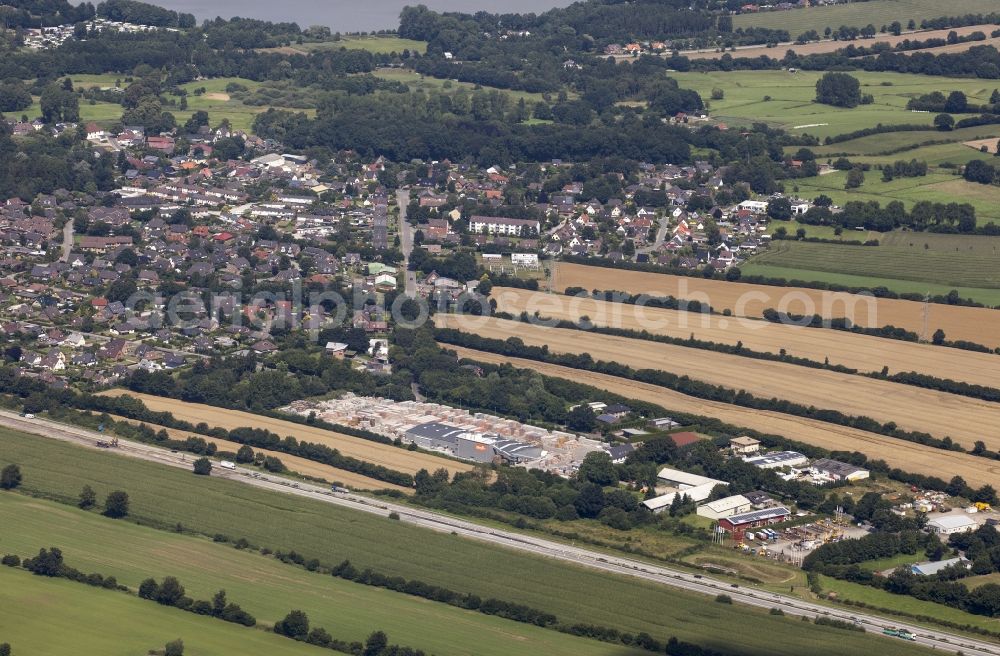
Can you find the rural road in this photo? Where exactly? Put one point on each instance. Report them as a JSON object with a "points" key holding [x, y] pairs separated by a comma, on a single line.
{"points": [[406, 242], [946, 642]]}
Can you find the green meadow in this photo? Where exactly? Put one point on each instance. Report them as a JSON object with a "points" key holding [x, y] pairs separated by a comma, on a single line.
{"points": [[933, 187], [56, 617], [265, 587], [792, 105], [164, 497]]}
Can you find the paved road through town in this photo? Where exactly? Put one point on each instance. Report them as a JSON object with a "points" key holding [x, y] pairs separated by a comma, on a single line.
{"points": [[406, 242], [933, 638]]}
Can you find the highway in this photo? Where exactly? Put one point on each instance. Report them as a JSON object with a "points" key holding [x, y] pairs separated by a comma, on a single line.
{"points": [[932, 638]]}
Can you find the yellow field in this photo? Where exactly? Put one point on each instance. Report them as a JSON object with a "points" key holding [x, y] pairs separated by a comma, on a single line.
{"points": [[912, 408], [862, 352], [908, 456], [293, 463], [978, 325], [356, 447]]}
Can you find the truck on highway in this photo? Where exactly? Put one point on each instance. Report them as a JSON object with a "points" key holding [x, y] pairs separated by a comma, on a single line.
{"points": [[899, 633], [227, 464], [339, 488]]}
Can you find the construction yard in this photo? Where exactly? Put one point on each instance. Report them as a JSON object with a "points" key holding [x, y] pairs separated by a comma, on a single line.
{"points": [[912, 408], [561, 452], [908, 456], [862, 352], [355, 447], [978, 325]]}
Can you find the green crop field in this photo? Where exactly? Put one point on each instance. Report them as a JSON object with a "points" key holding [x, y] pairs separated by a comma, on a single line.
{"points": [[974, 274], [792, 107], [56, 617], [961, 268], [900, 144], [267, 588], [859, 14], [167, 496]]}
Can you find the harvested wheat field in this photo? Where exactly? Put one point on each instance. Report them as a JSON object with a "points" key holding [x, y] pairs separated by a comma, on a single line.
{"points": [[908, 456], [293, 463], [912, 408], [978, 325], [862, 352], [356, 447]]}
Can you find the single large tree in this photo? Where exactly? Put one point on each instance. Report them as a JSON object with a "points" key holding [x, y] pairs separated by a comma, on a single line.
{"points": [[10, 477], [839, 90], [116, 505]]}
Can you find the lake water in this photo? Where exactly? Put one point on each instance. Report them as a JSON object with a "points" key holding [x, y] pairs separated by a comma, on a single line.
{"points": [[344, 15]]}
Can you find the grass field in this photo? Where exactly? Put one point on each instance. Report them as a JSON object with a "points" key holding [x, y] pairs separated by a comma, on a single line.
{"points": [[380, 454], [910, 407], [908, 456], [978, 274], [417, 81], [934, 187], [861, 352], [265, 587], [903, 142], [904, 603], [293, 463], [792, 105], [211, 505], [744, 300], [859, 14], [61, 618]]}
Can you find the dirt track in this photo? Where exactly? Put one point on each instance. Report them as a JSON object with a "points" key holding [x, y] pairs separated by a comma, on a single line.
{"points": [[978, 325], [294, 463], [912, 408], [820, 47], [898, 453], [861, 352], [356, 447]]}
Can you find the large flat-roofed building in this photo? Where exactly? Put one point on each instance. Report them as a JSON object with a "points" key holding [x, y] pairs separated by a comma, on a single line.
{"points": [[778, 459], [725, 507], [468, 445], [952, 524], [839, 471]]}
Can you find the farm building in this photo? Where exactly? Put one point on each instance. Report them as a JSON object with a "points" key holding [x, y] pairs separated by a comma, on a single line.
{"points": [[467, 445], [744, 446], [726, 507], [839, 471], [931, 568], [952, 524], [777, 460], [740, 524]]}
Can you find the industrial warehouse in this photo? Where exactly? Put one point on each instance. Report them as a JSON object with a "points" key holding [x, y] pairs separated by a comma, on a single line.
{"points": [[467, 445]]}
